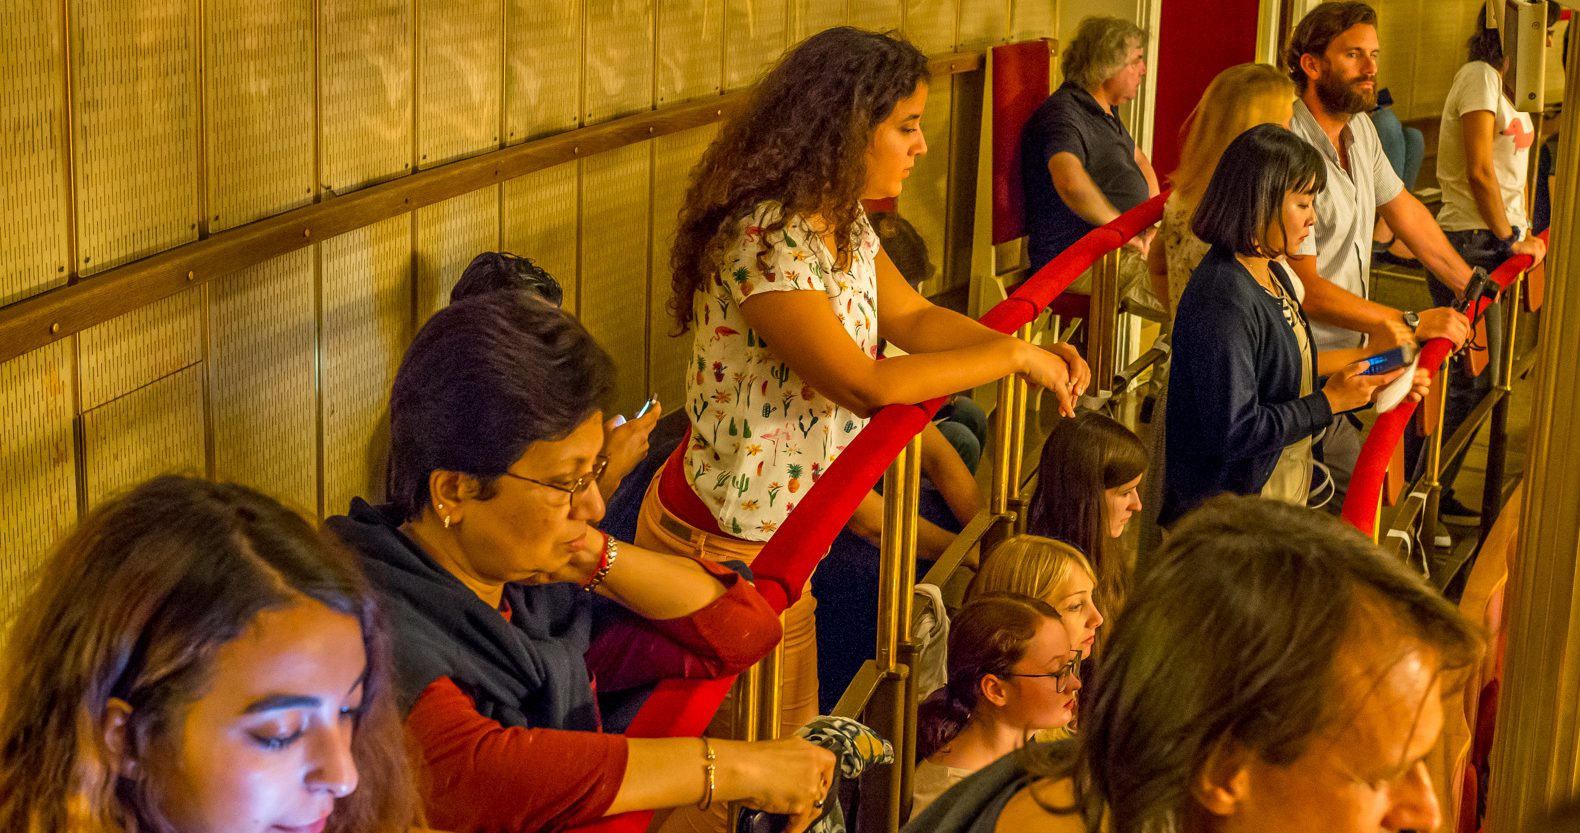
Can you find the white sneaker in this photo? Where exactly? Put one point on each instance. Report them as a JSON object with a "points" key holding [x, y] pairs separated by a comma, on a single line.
{"points": [[1441, 540]]}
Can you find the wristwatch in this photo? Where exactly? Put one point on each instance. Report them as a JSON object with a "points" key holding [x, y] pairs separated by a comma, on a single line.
{"points": [[1506, 244], [1412, 320]]}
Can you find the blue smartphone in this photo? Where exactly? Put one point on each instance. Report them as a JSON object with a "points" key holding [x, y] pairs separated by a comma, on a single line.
{"points": [[646, 406], [1386, 362]]}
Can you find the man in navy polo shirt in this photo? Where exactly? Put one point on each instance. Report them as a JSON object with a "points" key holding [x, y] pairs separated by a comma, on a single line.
{"points": [[1079, 165]]}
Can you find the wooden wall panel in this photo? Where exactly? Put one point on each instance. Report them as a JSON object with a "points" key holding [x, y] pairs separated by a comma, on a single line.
{"points": [[156, 429], [539, 215], [460, 73], [365, 92], [759, 31], [614, 257], [32, 106], [668, 355], [258, 108], [449, 235], [690, 49], [619, 68], [543, 67], [134, 128], [38, 465], [263, 332], [366, 324]]}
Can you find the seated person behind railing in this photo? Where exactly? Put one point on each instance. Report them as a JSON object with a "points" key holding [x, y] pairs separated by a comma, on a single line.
{"points": [[780, 275], [624, 441], [846, 582], [1088, 489], [1012, 672], [1050, 570], [1080, 168], [197, 658], [1275, 672], [1246, 398], [484, 559]]}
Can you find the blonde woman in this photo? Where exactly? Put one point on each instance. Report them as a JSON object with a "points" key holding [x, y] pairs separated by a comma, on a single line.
{"points": [[1241, 97], [1050, 570]]}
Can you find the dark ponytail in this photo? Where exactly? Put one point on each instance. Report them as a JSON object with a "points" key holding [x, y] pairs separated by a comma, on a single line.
{"points": [[988, 636]]}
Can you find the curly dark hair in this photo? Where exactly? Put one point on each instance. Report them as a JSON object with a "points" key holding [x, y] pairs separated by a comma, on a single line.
{"points": [[794, 144]]}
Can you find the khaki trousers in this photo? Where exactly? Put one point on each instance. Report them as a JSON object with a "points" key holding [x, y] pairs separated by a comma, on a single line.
{"points": [[660, 530]]}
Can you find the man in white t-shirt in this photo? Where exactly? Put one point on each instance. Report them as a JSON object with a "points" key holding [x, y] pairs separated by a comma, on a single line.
{"points": [[1332, 57], [1483, 154]]}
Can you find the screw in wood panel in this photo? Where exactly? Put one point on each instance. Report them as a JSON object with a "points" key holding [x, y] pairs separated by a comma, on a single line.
{"points": [[54, 329], [191, 276]]}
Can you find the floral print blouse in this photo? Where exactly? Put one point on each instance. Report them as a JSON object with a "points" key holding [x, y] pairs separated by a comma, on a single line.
{"points": [[760, 436]]}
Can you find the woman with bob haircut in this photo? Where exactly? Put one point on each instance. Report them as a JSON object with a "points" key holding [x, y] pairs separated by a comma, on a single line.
{"points": [[196, 658], [1274, 671], [1239, 98], [1050, 570], [513, 615], [1088, 489], [779, 274], [1245, 397], [1012, 672]]}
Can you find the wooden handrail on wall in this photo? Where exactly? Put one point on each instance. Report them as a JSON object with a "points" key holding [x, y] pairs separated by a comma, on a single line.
{"points": [[37, 321]]}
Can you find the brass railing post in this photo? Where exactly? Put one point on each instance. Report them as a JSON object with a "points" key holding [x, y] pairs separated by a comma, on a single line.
{"points": [[1498, 429], [1102, 323], [886, 790], [1434, 461]]}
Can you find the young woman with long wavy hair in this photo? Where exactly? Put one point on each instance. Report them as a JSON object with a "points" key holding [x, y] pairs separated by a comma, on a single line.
{"points": [[197, 659], [780, 277]]}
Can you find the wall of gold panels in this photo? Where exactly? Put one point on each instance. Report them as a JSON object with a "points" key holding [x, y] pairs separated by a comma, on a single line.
{"points": [[137, 126]]}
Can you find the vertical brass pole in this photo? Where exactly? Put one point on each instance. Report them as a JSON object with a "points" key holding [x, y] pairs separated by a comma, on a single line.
{"points": [[1536, 748], [1498, 427], [892, 711], [1434, 465], [1017, 438], [747, 701], [1102, 322], [1006, 421], [769, 692]]}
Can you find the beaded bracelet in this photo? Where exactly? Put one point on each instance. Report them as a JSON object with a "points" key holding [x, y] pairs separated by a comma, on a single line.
{"points": [[709, 769], [611, 551]]}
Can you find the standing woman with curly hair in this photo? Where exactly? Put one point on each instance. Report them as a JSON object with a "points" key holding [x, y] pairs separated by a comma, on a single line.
{"points": [[780, 276]]}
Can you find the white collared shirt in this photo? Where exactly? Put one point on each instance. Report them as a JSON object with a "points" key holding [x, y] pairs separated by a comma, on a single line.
{"points": [[1346, 211]]}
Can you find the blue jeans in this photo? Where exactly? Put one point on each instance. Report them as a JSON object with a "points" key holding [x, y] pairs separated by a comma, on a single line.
{"points": [[1404, 146], [1479, 248]]}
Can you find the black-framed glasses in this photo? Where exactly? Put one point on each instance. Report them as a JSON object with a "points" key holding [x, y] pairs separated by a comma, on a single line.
{"points": [[1070, 671], [573, 489]]}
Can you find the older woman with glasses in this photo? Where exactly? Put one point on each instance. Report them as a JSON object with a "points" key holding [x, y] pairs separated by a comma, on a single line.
{"points": [[1013, 671], [512, 615]]}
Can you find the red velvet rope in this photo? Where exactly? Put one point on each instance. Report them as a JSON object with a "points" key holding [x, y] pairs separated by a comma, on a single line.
{"points": [[1366, 483], [682, 708]]}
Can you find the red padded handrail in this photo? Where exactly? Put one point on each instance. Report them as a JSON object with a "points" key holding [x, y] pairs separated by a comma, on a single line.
{"points": [[1366, 483], [679, 708]]}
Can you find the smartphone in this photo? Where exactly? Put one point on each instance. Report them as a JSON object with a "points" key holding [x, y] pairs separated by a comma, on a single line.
{"points": [[651, 398], [1386, 362]]}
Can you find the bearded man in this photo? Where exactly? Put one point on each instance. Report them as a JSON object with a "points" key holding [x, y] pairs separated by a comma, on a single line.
{"points": [[1332, 57]]}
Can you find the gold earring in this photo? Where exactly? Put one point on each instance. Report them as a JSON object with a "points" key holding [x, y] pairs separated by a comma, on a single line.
{"points": [[446, 521]]}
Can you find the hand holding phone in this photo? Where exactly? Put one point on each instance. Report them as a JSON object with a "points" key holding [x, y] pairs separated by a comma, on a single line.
{"points": [[1387, 361]]}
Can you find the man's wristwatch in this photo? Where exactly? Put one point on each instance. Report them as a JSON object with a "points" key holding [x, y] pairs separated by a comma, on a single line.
{"points": [[1412, 319]]}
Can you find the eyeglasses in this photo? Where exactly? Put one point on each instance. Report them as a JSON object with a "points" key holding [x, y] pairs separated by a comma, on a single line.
{"points": [[573, 489], [1070, 671]]}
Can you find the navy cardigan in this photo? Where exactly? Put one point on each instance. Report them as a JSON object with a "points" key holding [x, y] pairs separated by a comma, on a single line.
{"points": [[1234, 398]]}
